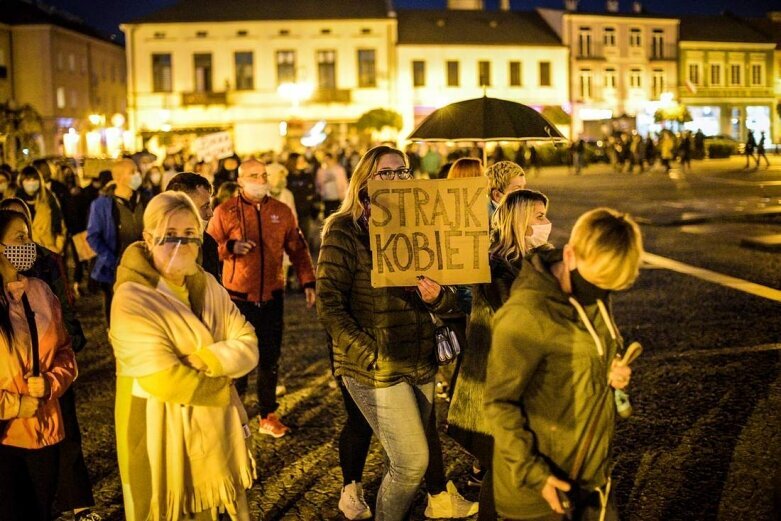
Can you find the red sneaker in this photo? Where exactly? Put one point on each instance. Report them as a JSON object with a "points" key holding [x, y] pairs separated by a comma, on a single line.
{"points": [[272, 426]]}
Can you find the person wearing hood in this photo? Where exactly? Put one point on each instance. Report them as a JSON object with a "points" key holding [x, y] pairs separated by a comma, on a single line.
{"points": [[253, 232], [48, 222], [179, 342], [31, 423], [519, 226], [115, 222], [552, 372]]}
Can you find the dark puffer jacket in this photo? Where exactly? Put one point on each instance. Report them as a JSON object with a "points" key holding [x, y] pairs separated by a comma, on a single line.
{"points": [[381, 336]]}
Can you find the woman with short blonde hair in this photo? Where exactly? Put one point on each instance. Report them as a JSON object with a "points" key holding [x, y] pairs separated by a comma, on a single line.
{"points": [[179, 342], [610, 246], [554, 367]]}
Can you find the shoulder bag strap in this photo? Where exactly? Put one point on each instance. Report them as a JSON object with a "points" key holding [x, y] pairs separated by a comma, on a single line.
{"points": [[30, 315]]}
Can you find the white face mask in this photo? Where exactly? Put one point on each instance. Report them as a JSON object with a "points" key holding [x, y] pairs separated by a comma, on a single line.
{"points": [[255, 191], [31, 187], [539, 236], [135, 181]]}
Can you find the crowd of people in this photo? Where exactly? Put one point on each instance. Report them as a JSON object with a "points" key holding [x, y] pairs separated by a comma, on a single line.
{"points": [[194, 260]]}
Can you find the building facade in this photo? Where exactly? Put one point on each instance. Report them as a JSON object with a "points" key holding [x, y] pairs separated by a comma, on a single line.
{"points": [[621, 64], [727, 70], [268, 76], [69, 73], [456, 54]]}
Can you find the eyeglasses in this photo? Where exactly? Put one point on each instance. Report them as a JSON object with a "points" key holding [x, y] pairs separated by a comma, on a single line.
{"points": [[388, 174]]}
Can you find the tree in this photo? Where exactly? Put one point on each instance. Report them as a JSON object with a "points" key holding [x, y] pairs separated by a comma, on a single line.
{"points": [[377, 119], [675, 112], [20, 128]]}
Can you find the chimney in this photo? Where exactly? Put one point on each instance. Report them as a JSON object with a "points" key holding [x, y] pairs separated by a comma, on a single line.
{"points": [[570, 5], [637, 7], [504, 5], [611, 6]]}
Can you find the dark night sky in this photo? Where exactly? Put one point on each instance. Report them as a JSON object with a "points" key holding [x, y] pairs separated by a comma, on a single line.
{"points": [[107, 14]]}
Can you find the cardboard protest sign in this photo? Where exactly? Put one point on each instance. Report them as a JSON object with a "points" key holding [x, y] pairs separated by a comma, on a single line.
{"points": [[218, 145], [432, 227]]}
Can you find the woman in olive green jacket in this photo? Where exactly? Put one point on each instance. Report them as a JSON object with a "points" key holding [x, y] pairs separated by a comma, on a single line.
{"points": [[552, 369], [383, 338]]}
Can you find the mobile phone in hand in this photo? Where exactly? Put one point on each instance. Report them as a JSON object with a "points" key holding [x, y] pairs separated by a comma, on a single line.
{"points": [[566, 503]]}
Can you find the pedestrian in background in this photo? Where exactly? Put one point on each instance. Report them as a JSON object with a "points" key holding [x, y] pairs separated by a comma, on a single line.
{"points": [[226, 191], [685, 151], [253, 232], [519, 226], [748, 150], [75, 208], [431, 162], [179, 342], [761, 150], [48, 223], [7, 185], [301, 183], [31, 423], [552, 371], [331, 182], [199, 190], [115, 222], [389, 375], [666, 149]]}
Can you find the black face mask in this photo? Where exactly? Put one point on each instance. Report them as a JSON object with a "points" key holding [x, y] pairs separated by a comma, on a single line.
{"points": [[585, 292], [363, 196]]}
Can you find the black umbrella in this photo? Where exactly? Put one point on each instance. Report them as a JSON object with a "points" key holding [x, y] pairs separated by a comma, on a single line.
{"points": [[486, 119]]}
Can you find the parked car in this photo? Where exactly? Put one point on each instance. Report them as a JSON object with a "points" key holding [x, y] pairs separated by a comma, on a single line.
{"points": [[722, 145]]}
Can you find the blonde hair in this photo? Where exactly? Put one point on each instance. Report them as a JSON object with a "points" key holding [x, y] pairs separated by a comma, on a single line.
{"points": [[510, 220], [163, 206], [466, 167], [366, 167], [609, 248], [499, 174]]}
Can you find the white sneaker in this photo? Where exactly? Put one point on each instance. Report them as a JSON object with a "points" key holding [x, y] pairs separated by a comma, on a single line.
{"points": [[352, 504], [281, 390], [449, 505]]}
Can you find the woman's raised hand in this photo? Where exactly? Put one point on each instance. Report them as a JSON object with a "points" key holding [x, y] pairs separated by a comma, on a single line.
{"points": [[428, 289]]}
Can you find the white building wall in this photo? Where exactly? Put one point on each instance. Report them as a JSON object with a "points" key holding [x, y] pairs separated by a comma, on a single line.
{"points": [[254, 116], [437, 94]]}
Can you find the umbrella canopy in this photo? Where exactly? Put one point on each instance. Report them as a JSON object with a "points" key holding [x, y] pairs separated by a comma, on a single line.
{"points": [[485, 119]]}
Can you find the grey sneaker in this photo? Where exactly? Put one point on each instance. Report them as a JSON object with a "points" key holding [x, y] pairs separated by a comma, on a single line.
{"points": [[352, 504], [449, 505]]}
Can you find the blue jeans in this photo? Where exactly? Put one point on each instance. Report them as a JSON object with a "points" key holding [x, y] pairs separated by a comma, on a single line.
{"points": [[398, 416]]}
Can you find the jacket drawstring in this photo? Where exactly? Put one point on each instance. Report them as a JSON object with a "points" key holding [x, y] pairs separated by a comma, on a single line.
{"points": [[589, 326]]}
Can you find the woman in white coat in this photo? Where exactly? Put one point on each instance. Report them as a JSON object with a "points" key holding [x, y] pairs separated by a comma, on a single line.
{"points": [[179, 341]]}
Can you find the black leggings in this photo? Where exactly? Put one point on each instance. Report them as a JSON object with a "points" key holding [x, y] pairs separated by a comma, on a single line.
{"points": [[28, 481]]}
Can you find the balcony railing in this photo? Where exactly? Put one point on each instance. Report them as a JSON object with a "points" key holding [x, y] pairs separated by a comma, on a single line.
{"points": [[665, 51], [727, 92], [596, 51], [204, 98], [332, 96]]}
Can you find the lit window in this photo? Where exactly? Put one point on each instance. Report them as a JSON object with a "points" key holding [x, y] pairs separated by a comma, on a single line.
{"points": [[516, 78], [367, 68], [286, 67], [484, 73], [244, 70], [418, 73]]}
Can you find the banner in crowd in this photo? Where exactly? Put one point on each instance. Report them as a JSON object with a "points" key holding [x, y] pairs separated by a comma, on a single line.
{"points": [[218, 145], [432, 227]]}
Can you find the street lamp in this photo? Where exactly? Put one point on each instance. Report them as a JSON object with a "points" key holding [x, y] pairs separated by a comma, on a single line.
{"points": [[296, 92]]}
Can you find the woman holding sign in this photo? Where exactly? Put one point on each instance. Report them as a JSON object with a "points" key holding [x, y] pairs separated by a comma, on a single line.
{"points": [[383, 338], [520, 225]]}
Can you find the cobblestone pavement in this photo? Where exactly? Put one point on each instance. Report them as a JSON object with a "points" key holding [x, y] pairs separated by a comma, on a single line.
{"points": [[703, 443]]}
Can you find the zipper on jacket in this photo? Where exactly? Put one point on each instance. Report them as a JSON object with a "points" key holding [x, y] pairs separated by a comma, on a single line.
{"points": [[260, 245]]}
